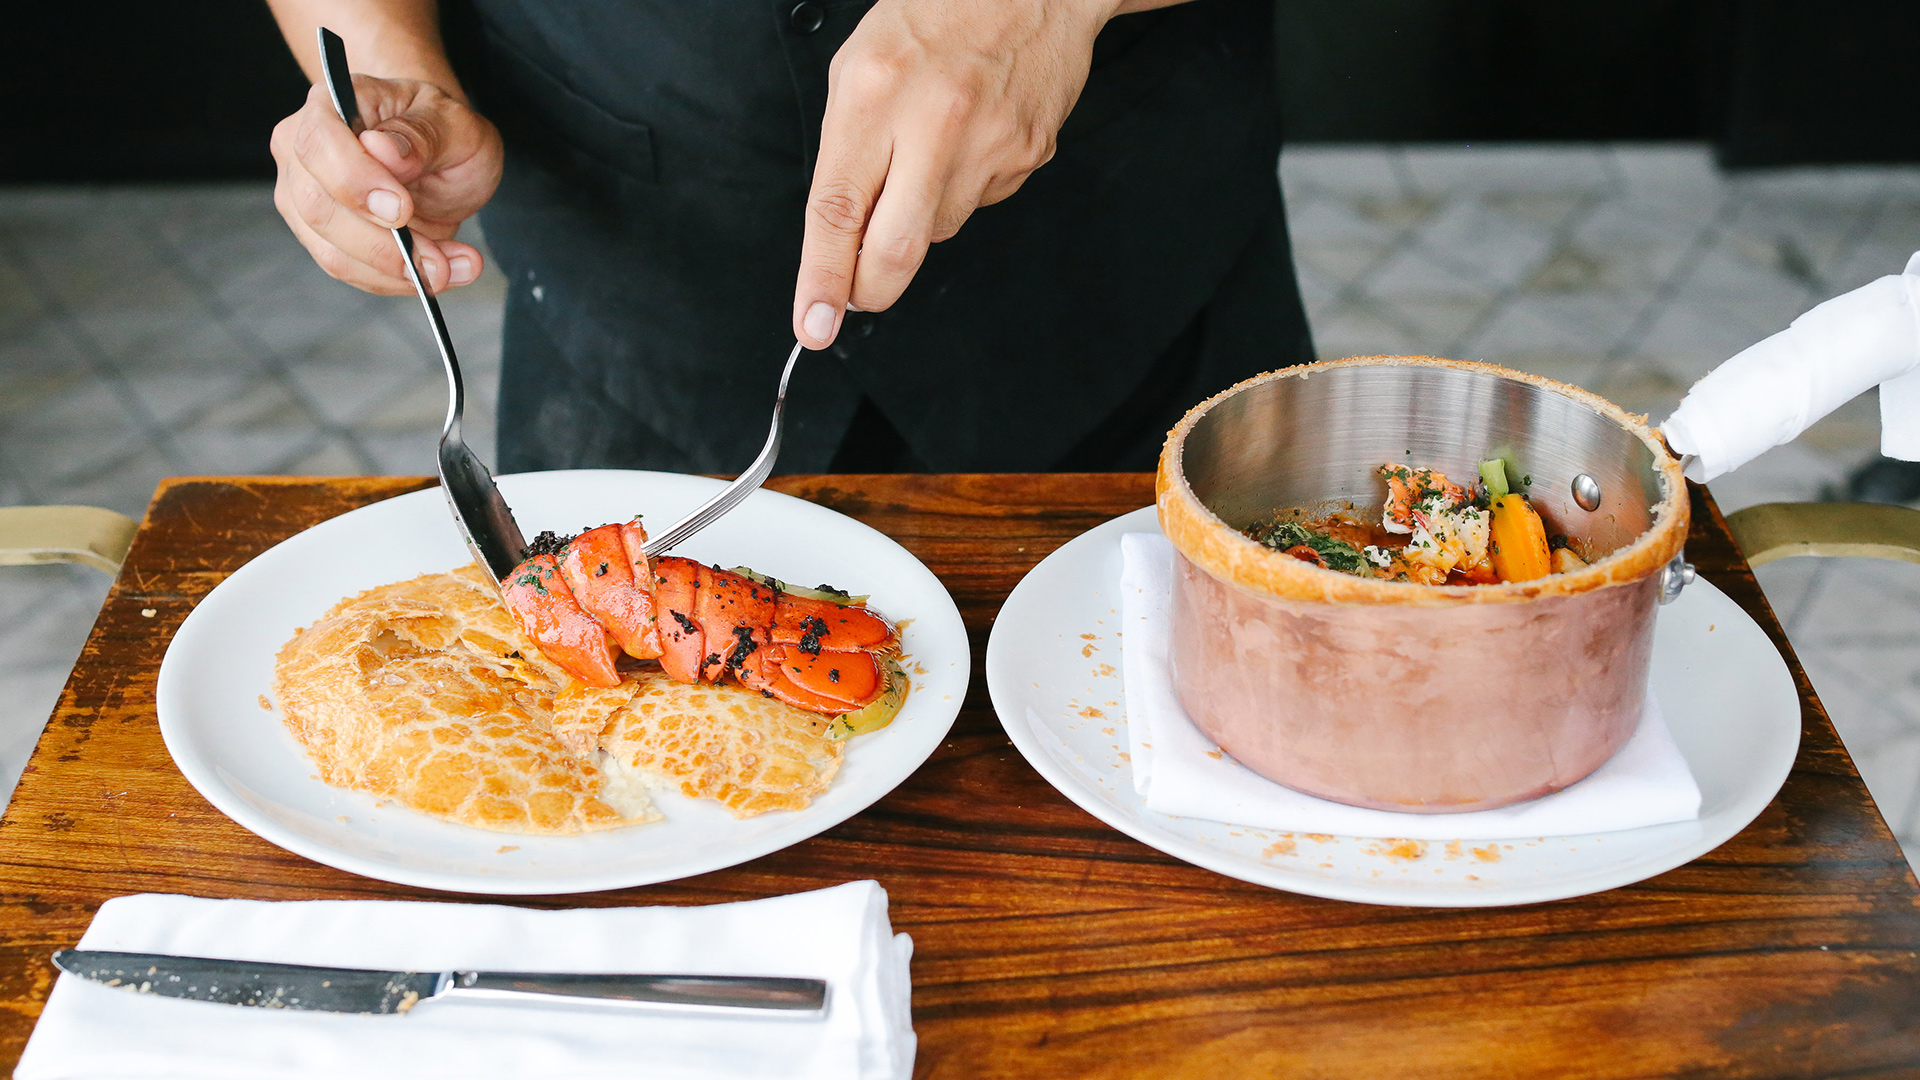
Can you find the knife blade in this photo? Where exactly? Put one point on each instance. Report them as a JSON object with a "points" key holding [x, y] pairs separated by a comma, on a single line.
{"points": [[359, 990], [485, 520]]}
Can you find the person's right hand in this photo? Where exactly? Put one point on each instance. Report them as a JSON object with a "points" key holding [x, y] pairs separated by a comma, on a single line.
{"points": [[425, 160]]}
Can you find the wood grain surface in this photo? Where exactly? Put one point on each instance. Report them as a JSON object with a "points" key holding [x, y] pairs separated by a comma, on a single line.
{"points": [[1045, 943]]}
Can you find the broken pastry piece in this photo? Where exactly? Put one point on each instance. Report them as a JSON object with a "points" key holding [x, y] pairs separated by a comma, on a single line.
{"points": [[747, 751], [416, 692], [426, 692]]}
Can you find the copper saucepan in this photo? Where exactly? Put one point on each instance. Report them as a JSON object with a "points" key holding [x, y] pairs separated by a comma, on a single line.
{"points": [[1396, 696]]}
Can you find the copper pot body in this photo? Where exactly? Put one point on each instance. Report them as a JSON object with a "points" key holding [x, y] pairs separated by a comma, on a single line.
{"points": [[1408, 697]]}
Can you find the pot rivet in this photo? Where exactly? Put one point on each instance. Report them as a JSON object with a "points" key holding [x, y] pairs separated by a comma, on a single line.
{"points": [[1586, 492]]}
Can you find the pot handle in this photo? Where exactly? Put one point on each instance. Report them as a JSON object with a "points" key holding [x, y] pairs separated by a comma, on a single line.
{"points": [[1775, 389], [83, 534], [1778, 530], [1675, 576]]}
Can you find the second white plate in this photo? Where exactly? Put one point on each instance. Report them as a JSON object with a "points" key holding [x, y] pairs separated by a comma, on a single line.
{"points": [[1053, 670], [219, 668]]}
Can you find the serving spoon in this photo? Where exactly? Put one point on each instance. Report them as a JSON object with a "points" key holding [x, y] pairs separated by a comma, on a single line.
{"points": [[485, 520]]}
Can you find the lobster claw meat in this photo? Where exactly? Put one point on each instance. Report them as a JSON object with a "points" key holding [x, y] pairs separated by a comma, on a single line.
{"points": [[586, 600]]}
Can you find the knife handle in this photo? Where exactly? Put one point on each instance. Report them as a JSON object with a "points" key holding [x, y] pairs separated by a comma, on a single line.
{"points": [[712, 991]]}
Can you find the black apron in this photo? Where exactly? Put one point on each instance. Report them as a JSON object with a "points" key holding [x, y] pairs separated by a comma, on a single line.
{"points": [[649, 221]]}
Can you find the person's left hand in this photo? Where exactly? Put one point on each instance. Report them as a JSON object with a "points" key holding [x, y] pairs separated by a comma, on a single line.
{"points": [[934, 108]]}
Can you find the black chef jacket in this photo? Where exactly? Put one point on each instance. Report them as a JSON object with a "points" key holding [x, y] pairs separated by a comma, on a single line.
{"points": [[659, 155]]}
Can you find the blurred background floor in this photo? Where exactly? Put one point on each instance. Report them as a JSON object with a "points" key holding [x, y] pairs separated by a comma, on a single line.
{"points": [[157, 331], [163, 331]]}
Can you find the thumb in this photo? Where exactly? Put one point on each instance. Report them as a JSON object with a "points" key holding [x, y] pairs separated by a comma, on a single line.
{"points": [[407, 147]]}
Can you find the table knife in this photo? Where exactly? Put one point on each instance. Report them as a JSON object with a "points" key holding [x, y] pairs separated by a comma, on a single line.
{"points": [[482, 514], [357, 990]]}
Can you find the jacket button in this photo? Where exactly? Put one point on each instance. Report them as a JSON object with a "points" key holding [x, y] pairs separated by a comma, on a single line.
{"points": [[808, 16]]}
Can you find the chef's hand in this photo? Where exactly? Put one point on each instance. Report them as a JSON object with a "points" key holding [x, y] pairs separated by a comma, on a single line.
{"points": [[425, 160], [934, 108]]}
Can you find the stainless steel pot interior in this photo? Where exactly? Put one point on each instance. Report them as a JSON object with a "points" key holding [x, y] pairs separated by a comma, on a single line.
{"points": [[1316, 442]]}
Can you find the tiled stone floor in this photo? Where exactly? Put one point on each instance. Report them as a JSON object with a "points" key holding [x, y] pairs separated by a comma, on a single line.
{"points": [[147, 332], [151, 332]]}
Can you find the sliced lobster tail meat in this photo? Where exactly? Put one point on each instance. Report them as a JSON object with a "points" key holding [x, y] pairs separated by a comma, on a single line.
{"points": [[633, 537], [734, 612], [537, 595], [703, 623], [683, 644], [599, 571], [715, 630], [845, 680], [820, 624], [776, 673]]}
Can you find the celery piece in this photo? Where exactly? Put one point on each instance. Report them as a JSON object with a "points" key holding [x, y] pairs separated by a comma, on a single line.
{"points": [[1494, 472], [825, 592]]}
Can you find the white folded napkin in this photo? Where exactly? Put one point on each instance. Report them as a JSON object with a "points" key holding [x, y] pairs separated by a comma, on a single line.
{"points": [[839, 934], [1770, 393], [1175, 770]]}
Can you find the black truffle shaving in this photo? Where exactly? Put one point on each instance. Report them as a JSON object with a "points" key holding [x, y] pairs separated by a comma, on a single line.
{"points": [[742, 648], [811, 629], [548, 544]]}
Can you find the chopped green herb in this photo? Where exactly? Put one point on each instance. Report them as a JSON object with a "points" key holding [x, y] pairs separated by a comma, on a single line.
{"points": [[1337, 554]]}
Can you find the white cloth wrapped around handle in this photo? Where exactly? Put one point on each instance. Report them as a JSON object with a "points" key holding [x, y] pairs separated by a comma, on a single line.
{"points": [[1770, 393]]}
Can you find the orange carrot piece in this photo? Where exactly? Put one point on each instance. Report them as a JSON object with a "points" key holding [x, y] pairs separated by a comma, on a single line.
{"points": [[1519, 541]]}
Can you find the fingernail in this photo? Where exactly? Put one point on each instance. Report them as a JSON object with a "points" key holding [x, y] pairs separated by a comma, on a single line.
{"points": [[400, 143], [383, 204], [819, 321], [460, 269]]}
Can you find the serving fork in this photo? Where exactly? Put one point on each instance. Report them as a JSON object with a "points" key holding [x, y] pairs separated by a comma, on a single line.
{"points": [[485, 520], [743, 485]]}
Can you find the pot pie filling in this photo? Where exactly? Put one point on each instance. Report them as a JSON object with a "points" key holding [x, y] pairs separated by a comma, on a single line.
{"points": [[1431, 531]]}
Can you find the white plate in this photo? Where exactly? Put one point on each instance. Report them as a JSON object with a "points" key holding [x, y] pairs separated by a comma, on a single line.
{"points": [[1725, 691], [243, 760]]}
